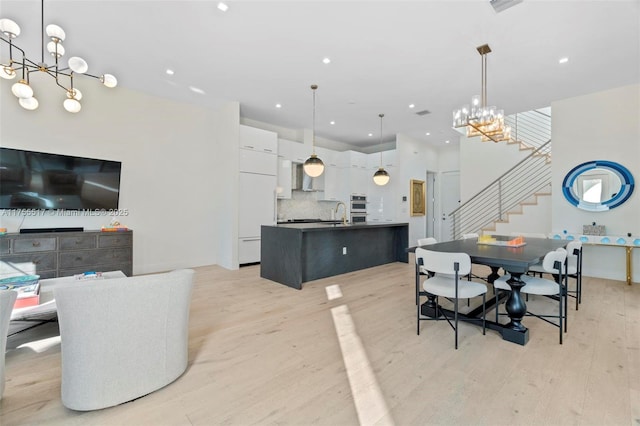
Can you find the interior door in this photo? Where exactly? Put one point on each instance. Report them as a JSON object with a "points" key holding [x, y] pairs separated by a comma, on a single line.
{"points": [[450, 200]]}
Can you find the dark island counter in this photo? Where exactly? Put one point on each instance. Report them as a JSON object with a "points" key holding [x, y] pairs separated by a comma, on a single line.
{"points": [[292, 254]]}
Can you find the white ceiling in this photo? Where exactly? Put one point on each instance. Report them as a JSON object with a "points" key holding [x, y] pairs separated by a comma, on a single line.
{"points": [[384, 56]]}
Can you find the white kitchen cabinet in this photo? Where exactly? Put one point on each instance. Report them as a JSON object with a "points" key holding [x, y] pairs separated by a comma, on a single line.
{"points": [[258, 162], [296, 152], [336, 184], [257, 207], [260, 140], [358, 173], [284, 178]]}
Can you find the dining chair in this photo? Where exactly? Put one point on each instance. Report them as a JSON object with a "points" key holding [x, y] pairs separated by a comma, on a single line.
{"points": [[554, 264], [469, 236], [419, 270], [574, 269], [446, 282]]}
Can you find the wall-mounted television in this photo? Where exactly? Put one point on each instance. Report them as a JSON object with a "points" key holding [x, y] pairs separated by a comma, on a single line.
{"points": [[43, 181]]}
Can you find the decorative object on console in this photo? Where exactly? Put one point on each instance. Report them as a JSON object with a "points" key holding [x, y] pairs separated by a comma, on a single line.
{"points": [[114, 226], [381, 177], [480, 119], [76, 65], [314, 166], [593, 229]]}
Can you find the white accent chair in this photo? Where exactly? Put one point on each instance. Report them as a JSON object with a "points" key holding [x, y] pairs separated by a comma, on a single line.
{"points": [[447, 283], [7, 299], [554, 264], [122, 338]]}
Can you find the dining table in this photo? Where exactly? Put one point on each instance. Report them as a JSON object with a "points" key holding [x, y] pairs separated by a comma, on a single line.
{"points": [[513, 260]]}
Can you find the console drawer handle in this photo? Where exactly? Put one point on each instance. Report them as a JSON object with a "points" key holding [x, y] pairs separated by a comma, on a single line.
{"points": [[36, 244]]}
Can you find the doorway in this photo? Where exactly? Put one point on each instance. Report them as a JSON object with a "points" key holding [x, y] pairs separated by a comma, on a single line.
{"points": [[450, 200]]}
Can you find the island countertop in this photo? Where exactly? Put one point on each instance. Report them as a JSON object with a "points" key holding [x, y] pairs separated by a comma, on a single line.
{"points": [[328, 226], [294, 253]]}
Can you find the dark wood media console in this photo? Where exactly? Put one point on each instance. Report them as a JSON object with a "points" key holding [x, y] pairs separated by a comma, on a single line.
{"points": [[61, 254]]}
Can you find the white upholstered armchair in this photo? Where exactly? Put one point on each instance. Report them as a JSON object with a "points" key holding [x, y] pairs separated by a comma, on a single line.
{"points": [[122, 338], [7, 299]]}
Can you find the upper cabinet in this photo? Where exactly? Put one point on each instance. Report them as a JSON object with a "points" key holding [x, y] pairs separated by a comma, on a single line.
{"points": [[258, 150], [259, 140], [293, 151]]}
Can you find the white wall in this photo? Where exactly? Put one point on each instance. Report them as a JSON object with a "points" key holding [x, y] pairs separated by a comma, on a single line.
{"points": [[226, 138], [414, 158], [599, 126], [169, 166]]}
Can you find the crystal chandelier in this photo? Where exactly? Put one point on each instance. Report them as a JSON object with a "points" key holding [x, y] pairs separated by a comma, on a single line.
{"points": [[313, 166], [18, 65], [381, 177], [480, 119]]}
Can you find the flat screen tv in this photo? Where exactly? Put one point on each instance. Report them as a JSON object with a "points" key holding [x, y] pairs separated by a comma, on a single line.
{"points": [[42, 181]]}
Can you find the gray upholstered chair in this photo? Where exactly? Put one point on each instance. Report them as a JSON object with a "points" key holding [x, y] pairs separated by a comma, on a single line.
{"points": [[122, 338], [7, 299]]}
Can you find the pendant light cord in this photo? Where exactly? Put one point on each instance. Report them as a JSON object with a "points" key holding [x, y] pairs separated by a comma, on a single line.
{"points": [[313, 128], [380, 115]]}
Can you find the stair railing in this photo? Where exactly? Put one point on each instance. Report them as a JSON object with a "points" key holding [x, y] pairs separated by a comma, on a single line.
{"points": [[530, 176]]}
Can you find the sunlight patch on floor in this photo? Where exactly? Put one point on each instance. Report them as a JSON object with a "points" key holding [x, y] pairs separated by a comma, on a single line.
{"points": [[369, 401]]}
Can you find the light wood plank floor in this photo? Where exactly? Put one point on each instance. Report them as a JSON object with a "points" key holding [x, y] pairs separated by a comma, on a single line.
{"points": [[262, 353]]}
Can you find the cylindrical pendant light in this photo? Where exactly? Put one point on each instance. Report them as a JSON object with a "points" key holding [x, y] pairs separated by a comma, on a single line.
{"points": [[313, 166], [381, 177]]}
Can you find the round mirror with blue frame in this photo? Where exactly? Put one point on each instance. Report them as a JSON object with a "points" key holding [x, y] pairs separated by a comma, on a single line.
{"points": [[598, 185]]}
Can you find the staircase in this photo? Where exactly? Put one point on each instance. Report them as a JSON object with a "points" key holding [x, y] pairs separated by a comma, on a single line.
{"points": [[520, 186]]}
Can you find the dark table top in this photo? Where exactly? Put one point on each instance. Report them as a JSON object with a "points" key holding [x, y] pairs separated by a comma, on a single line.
{"points": [[512, 259]]}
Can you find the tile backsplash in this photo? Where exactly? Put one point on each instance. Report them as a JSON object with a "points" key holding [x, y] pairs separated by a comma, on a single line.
{"points": [[305, 205]]}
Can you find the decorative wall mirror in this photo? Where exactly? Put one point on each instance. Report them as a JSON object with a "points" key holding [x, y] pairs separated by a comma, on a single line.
{"points": [[598, 185]]}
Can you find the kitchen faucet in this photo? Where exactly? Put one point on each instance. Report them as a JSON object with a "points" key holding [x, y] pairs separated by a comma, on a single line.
{"points": [[344, 215]]}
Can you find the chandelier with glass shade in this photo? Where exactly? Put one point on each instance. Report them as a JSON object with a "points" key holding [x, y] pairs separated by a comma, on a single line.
{"points": [[15, 64], [314, 166], [381, 176], [480, 119]]}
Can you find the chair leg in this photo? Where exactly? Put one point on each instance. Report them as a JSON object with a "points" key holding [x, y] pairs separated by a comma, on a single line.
{"points": [[560, 316], [497, 303], [418, 312], [484, 314], [455, 307]]}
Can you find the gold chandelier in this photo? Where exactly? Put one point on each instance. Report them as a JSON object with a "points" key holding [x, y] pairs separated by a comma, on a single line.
{"points": [[480, 119], [18, 64]]}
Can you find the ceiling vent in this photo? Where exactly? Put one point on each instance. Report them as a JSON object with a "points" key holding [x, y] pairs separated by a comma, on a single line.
{"points": [[500, 5], [423, 112]]}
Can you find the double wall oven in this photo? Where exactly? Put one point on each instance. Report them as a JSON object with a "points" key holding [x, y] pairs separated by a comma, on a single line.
{"points": [[358, 208]]}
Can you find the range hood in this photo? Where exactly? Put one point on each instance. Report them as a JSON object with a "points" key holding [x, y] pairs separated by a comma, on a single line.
{"points": [[300, 181]]}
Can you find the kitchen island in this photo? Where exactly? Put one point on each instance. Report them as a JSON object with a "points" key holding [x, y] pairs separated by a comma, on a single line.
{"points": [[294, 253]]}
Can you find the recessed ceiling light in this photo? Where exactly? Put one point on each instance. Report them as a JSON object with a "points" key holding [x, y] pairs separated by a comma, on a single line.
{"points": [[428, 134], [278, 106], [169, 71], [446, 141], [412, 105], [196, 90], [563, 60], [326, 61], [223, 7], [370, 134], [332, 122]]}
